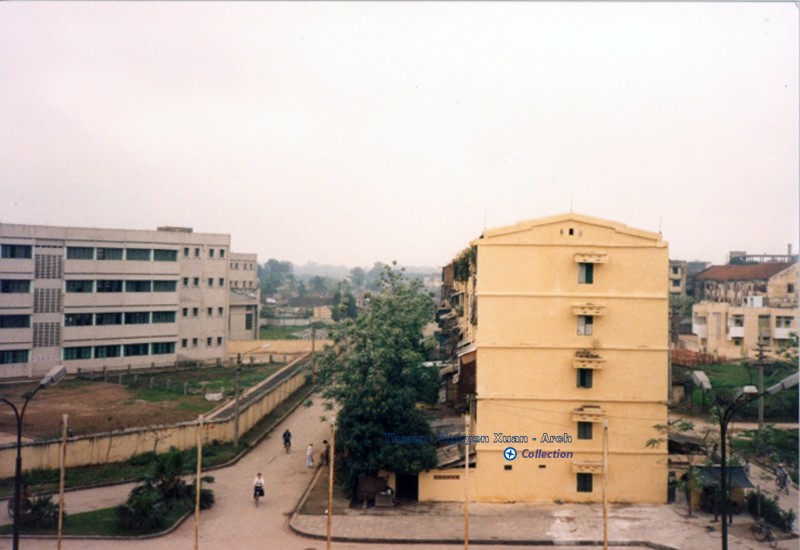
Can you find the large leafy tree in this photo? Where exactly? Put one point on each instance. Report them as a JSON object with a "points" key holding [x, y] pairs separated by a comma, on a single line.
{"points": [[373, 373]]}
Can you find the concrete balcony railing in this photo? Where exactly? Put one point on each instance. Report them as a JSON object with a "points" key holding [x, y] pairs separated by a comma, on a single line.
{"points": [[593, 310], [783, 333], [735, 332], [701, 331], [587, 467], [588, 414], [586, 362]]}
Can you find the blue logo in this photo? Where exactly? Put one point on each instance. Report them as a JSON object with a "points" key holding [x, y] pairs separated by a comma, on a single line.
{"points": [[510, 453]]}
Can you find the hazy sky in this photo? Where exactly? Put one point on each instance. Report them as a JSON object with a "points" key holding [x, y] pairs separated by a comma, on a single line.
{"points": [[350, 133]]}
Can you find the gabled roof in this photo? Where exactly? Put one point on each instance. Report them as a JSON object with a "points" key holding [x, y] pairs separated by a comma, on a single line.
{"points": [[570, 216], [747, 272]]}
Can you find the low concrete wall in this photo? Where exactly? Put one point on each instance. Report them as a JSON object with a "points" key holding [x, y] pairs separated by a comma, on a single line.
{"points": [[120, 445]]}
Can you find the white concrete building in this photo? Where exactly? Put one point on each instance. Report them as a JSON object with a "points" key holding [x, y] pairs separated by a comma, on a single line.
{"points": [[92, 298]]}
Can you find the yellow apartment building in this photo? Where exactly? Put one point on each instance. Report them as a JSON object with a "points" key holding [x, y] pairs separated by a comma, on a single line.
{"points": [[568, 332]]}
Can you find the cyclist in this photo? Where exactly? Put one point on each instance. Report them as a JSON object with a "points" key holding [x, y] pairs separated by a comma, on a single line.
{"points": [[782, 477], [258, 487], [287, 440]]}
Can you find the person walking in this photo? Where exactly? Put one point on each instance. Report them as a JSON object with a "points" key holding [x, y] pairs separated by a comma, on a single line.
{"points": [[310, 455], [326, 454], [258, 487], [287, 440]]}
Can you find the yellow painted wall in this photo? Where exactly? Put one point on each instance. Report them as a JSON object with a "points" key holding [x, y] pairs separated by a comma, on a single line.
{"points": [[527, 289]]}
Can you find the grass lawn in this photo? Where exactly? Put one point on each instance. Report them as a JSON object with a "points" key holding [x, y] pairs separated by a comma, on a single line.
{"points": [[279, 333]]}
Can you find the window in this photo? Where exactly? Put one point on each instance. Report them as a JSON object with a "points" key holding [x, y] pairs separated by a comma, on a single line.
{"points": [[585, 323], [72, 354], [137, 317], [162, 255], [222, 282], [109, 286], [109, 253], [210, 282], [185, 312], [101, 352], [584, 430], [185, 282], [221, 252], [585, 273], [675, 282], [219, 341], [132, 350], [248, 321], [184, 343], [138, 286], [80, 253], [210, 252], [783, 322], [584, 378], [80, 286], [16, 251], [161, 348], [584, 483], [108, 318], [165, 286], [196, 281], [13, 356], [210, 311], [163, 316], [15, 321], [208, 341], [676, 270], [195, 312], [196, 252], [790, 288], [14, 286], [78, 319], [220, 311], [185, 255], [194, 342], [138, 254]]}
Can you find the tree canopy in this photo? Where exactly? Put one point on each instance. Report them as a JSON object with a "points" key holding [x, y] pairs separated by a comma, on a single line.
{"points": [[373, 372]]}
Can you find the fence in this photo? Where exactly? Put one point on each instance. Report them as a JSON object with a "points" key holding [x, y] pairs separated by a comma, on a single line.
{"points": [[117, 446]]}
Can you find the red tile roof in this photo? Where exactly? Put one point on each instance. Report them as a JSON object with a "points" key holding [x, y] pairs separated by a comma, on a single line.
{"points": [[748, 272]]}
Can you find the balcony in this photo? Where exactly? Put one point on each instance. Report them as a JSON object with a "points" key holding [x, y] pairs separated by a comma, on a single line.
{"points": [[700, 329], [586, 359], [588, 413], [591, 258], [587, 467], [735, 332], [593, 310], [782, 333]]}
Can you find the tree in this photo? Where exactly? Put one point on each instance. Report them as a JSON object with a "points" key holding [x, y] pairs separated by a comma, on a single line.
{"points": [[358, 277], [373, 373], [273, 275]]}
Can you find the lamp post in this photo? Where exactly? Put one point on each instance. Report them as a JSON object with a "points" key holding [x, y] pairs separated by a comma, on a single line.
{"points": [[53, 376], [745, 396], [236, 394]]}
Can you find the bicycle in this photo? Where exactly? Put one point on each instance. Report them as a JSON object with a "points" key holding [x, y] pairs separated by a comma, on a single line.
{"points": [[763, 532], [287, 444], [782, 483]]}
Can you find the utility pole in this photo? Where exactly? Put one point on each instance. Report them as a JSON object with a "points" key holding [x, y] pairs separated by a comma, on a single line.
{"points": [[760, 364], [467, 424], [332, 454], [605, 477], [62, 466], [198, 482], [236, 404]]}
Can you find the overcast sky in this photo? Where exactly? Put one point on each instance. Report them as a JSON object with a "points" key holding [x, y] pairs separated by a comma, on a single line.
{"points": [[349, 133]]}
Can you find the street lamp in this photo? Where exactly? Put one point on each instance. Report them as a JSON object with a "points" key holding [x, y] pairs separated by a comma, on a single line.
{"points": [[743, 397], [53, 376], [236, 396]]}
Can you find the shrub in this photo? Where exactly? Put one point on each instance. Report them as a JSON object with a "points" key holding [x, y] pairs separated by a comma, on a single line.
{"points": [[41, 513], [142, 459], [770, 511], [143, 511]]}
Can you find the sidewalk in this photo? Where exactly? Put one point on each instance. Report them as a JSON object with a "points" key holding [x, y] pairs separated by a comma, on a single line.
{"points": [[663, 527]]}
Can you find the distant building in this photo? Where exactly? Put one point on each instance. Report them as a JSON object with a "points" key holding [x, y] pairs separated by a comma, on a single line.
{"points": [[677, 278], [92, 298], [244, 296], [744, 304], [558, 327]]}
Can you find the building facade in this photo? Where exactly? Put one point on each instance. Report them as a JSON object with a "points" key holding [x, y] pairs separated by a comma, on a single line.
{"points": [[244, 296], [92, 298], [743, 305], [569, 320]]}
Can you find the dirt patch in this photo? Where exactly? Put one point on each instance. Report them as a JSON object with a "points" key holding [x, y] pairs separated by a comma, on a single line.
{"points": [[92, 407]]}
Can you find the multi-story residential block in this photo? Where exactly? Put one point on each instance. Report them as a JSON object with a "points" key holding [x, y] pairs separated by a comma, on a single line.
{"points": [[677, 278], [565, 322], [93, 298], [743, 305], [244, 296]]}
